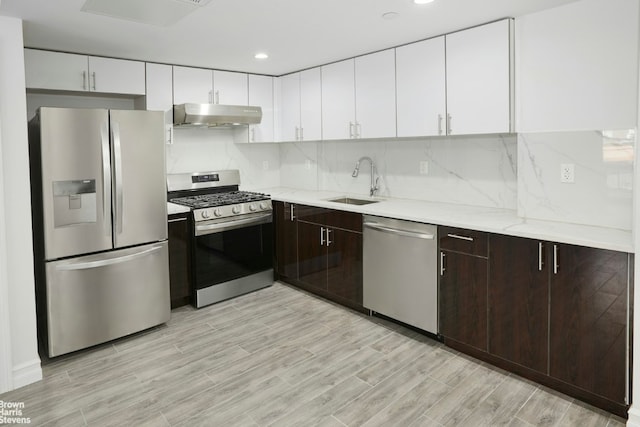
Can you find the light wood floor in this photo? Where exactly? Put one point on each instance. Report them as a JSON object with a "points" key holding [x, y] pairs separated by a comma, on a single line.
{"points": [[282, 357]]}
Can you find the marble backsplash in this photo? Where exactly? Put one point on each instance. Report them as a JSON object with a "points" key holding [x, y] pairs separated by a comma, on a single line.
{"points": [[202, 149], [602, 193], [478, 170], [505, 171]]}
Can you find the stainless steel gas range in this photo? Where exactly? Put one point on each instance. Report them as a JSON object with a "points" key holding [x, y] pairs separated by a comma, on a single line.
{"points": [[232, 250]]}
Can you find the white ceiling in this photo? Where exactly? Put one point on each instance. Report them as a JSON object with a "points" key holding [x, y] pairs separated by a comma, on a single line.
{"points": [[225, 34]]}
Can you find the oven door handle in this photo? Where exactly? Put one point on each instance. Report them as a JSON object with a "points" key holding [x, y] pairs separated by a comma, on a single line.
{"points": [[230, 225]]}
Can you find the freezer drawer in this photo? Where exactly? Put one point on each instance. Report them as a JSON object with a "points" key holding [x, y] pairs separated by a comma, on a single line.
{"points": [[97, 298]]}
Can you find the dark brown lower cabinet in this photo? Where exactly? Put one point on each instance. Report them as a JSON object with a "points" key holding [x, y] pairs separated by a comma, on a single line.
{"points": [[518, 301], [588, 319], [320, 250], [179, 231], [312, 255], [286, 240], [463, 299]]}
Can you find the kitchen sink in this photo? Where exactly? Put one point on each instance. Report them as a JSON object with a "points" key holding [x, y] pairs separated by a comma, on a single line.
{"points": [[352, 201]]}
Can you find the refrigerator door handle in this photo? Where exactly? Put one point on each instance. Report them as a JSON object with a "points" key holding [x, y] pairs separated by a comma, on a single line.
{"points": [[106, 177], [104, 262], [117, 157]]}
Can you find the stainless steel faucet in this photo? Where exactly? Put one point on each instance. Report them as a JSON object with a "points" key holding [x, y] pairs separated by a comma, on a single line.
{"points": [[374, 178]]}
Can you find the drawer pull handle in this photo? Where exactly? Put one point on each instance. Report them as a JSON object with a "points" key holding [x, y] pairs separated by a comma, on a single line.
{"points": [[457, 236], [442, 269]]}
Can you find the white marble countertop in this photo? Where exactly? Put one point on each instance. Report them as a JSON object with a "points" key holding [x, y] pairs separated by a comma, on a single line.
{"points": [[172, 208], [493, 220]]}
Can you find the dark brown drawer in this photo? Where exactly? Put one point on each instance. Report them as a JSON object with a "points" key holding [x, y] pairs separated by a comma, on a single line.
{"points": [[462, 240], [310, 213], [346, 220]]}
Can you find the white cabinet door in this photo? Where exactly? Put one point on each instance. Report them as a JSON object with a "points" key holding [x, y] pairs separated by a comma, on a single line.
{"points": [[420, 85], [310, 105], [478, 79], [375, 77], [192, 85], [338, 100], [159, 83], [290, 107], [230, 88], [261, 95], [57, 71], [160, 94], [577, 67], [110, 75]]}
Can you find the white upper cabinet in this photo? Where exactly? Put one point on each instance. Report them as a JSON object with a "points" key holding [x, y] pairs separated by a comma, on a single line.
{"points": [[159, 83], [290, 107], [420, 85], [230, 88], [64, 71], [301, 106], [338, 101], [577, 67], [479, 94], [375, 92], [192, 85], [310, 105], [261, 95], [160, 94]]}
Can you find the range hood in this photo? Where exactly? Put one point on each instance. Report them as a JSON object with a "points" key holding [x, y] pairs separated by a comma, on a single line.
{"points": [[215, 115]]}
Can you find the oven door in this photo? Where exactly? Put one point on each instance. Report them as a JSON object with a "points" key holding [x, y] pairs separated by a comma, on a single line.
{"points": [[232, 257]]}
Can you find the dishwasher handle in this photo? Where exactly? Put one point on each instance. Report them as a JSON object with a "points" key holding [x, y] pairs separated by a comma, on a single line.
{"points": [[380, 227]]}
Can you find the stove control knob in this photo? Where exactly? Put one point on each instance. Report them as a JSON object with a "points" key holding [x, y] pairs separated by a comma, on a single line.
{"points": [[252, 207], [217, 212], [205, 214], [263, 206], [236, 209]]}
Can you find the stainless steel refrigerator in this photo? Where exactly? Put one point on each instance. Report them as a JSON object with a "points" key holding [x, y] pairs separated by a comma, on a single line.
{"points": [[100, 225]]}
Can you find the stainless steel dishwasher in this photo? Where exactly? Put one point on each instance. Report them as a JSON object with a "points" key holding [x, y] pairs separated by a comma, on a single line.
{"points": [[400, 271]]}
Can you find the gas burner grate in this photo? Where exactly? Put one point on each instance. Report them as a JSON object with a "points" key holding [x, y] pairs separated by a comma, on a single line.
{"points": [[219, 199]]}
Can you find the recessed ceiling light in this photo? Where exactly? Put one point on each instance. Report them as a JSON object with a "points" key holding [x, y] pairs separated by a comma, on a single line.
{"points": [[389, 15], [422, 1], [261, 55]]}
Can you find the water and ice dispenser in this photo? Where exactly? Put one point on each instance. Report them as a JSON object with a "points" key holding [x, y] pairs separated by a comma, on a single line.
{"points": [[74, 202]]}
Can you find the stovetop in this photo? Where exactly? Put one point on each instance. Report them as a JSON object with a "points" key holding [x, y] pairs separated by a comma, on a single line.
{"points": [[219, 199]]}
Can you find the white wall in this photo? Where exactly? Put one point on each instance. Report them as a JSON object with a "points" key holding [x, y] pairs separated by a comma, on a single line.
{"points": [[17, 282]]}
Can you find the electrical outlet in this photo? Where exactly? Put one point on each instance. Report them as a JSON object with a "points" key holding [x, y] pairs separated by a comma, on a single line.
{"points": [[567, 173], [424, 167], [265, 165]]}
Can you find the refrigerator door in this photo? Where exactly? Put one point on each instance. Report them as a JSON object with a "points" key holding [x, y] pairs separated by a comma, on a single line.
{"points": [[97, 298], [76, 181], [139, 179]]}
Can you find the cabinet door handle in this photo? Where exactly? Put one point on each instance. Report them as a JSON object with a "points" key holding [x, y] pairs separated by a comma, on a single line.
{"points": [[555, 259], [94, 80], [449, 131], [350, 129], [328, 241], [217, 99], [540, 263], [358, 130], [439, 124], [301, 134], [84, 80], [292, 216], [297, 133], [211, 97], [442, 269], [459, 237], [321, 236]]}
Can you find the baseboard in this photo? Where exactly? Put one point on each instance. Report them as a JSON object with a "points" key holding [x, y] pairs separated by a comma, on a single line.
{"points": [[27, 373], [634, 417]]}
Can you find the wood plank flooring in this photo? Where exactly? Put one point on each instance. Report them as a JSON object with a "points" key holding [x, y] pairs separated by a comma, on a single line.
{"points": [[283, 357]]}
